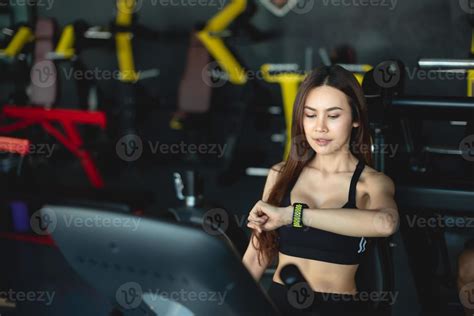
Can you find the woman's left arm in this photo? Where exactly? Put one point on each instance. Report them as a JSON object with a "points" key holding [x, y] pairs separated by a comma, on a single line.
{"points": [[380, 219]]}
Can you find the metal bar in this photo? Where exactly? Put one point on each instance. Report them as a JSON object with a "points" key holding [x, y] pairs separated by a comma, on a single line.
{"points": [[257, 172], [443, 64], [442, 150], [434, 102]]}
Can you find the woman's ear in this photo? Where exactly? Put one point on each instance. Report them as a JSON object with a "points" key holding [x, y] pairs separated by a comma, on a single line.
{"points": [[355, 124]]}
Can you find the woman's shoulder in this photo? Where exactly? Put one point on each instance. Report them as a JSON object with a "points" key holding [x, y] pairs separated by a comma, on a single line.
{"points": [[376, 180], [272, 178], [275, 171], [278, 167]]}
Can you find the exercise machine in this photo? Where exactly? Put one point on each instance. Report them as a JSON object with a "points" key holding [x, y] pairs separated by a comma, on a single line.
{"points": [[420, 190], [213, 218], [139, 269]]}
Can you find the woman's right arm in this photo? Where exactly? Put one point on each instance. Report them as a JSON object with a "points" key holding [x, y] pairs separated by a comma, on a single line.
{"points": [[250, 259]]}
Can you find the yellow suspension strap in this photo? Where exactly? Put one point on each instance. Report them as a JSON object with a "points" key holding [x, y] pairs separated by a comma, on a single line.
{"points": [[23, 36], [209, 36], [123, 40], [359, 74], [358, 70], [470, 72], [65, 48], [289, 83]]}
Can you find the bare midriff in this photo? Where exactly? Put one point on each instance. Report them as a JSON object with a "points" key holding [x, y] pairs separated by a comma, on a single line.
{"points": [[322, 276]]}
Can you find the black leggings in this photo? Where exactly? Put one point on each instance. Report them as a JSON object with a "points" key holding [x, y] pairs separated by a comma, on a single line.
{"points": [[300, 302]]}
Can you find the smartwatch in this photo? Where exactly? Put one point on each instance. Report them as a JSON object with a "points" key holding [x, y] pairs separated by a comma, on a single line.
{"points": [[297, 221]]}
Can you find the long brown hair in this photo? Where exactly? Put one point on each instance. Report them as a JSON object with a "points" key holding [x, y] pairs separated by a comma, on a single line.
{"points": [[301, 152]]}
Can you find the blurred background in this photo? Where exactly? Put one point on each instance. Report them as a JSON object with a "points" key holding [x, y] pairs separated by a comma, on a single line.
{"points": [[160, 108]]}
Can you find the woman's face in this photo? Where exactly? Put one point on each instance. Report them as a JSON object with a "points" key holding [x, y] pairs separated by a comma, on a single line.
{"points": [[327, 120]]}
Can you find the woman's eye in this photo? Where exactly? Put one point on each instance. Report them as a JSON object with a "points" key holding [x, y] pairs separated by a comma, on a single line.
{"points": [[310, 116], [333, 116]]}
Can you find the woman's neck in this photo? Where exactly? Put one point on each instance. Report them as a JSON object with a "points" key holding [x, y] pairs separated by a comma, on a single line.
{"points": [[334, 163]]}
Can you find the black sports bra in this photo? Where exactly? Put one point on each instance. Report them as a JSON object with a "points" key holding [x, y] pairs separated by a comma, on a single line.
{"points": [[317, 244]]}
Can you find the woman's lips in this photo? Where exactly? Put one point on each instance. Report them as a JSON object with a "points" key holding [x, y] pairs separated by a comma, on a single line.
{"points": [[322, 141]]}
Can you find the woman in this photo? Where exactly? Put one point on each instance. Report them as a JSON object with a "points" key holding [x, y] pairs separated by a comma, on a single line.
{"points": [[323, 204]]}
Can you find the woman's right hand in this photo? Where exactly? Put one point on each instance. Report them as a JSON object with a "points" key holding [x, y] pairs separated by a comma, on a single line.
{"points": [[256, 218]]}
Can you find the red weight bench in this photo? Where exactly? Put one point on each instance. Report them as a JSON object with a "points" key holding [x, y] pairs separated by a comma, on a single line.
{"points": [[70, 138]]}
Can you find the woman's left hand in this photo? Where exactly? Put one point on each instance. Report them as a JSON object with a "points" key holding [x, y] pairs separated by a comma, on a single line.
{"points": [[265, 217]]}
